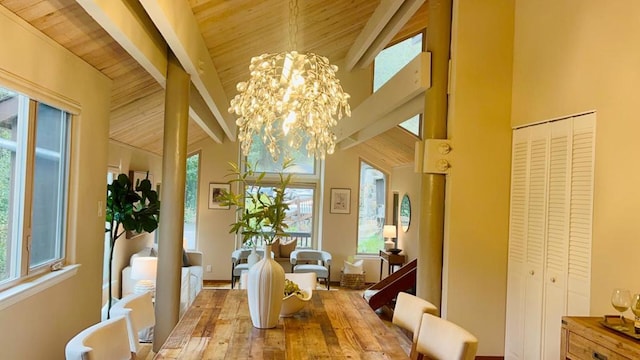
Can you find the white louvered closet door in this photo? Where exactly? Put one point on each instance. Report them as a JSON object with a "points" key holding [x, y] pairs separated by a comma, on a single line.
{"points": [[536, 231], [557, 244], [580, 230], [517, 245], [550, 234]]}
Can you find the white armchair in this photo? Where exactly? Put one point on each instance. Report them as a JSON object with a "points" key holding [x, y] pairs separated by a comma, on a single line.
{"points": [[316, 261]]}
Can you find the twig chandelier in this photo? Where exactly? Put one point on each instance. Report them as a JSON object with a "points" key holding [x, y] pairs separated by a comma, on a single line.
{"points": [[291, 99]]}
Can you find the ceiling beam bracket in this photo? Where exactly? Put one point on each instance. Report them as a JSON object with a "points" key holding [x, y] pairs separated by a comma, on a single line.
{"points": [[433, 156]]}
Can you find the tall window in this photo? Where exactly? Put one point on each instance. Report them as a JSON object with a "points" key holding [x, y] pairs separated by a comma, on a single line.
{"points": [[32, 192], [372, 209], [191, 200], [261, 158], [389, 61], [301, 192]]}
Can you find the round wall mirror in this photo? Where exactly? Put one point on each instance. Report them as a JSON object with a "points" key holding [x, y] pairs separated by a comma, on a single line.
{"points": [[405, 213]]}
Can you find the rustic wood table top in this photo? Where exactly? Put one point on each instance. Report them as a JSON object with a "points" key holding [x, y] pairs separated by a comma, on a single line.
{"points": [[333, 325]]}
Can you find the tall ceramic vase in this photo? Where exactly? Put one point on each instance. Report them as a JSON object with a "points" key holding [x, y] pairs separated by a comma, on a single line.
{"points": [[265, 290], [253, 258]]}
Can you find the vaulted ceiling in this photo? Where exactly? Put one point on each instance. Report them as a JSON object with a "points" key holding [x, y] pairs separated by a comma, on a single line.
{"points": [[233, 32]]}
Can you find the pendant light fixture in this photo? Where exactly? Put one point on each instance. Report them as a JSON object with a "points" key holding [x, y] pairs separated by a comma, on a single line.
{"points": [[290, 99]]}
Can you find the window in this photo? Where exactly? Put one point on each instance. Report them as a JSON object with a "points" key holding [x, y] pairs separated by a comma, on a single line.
{"points": [[372, 209], [389, 61], [301, 192], [300, 215], [191, 201], [260, 156], [32, 192]]}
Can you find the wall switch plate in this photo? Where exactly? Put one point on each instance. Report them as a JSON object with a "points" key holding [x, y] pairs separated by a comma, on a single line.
{"points": [[208, 268]]}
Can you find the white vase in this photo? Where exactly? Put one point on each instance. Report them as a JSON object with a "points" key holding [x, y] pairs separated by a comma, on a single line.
{"points": [[253, 258], [265, 289]]}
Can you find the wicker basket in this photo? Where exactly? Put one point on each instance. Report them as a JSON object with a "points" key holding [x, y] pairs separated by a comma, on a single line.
{"points": [[352, 281]]}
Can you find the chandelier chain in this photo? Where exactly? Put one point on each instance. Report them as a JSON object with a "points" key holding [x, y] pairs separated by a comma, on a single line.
{"points": [[293, 24]]}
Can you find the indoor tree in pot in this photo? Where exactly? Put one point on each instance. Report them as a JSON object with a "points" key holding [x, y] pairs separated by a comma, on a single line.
{"points": [[261, 214], [129, 208]]}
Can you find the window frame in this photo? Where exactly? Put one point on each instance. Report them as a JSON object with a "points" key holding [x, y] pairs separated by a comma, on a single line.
{"points": [[24, 175], [197, 198], [373, 74], [299, 180], [386, 205]]}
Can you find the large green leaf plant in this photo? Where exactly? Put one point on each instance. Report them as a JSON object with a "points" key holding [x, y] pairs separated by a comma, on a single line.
{"points": [[259, 213], [129, 208]]}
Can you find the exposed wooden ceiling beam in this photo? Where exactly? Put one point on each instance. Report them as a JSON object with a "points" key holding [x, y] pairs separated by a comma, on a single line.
{"points": [[132, 29], [386, 21], [412, 80], [398, 115], [200, 113], [177, 24], [128, 24]]}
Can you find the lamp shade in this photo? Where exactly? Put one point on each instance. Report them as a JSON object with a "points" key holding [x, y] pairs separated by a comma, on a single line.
{"points": [[389, 231], [144, 268]]}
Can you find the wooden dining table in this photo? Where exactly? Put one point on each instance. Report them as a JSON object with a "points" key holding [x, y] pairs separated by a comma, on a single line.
{"points": [[333, 325]]}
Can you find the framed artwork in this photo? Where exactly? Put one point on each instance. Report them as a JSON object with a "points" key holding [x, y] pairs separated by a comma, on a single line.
{"points": [[215, 191], [340, 201], [137, 176]]}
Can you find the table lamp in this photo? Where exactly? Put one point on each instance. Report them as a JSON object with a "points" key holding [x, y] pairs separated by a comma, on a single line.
{"points": [[144, 270], [389, 232]]}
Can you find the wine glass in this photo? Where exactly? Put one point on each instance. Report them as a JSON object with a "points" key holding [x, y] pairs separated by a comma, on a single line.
{"points": [[621, 300], [635, 308]]}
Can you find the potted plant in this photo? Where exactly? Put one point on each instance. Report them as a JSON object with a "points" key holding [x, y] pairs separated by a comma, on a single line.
{"points": [[294, 298], [261, 213], [129, 208]]}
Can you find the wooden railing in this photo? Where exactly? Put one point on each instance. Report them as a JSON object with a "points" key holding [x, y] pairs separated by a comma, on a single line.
{"points": [[388, 288]]}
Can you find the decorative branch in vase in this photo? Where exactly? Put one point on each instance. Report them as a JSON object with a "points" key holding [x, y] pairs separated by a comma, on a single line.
{"points": [[261, 214]]}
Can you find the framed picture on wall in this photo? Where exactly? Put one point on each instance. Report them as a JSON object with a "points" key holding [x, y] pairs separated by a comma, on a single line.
{"points": [[215, 192], [340, 201], [137, 176]]}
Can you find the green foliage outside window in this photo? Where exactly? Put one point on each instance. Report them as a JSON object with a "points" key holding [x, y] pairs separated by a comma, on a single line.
{"points": [[5, 195], [191, 189]]}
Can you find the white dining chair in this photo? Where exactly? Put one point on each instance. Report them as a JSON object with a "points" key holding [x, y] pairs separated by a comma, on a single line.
{"points": [[106, 340], [443, 340], [407, 314], [139, 312]]}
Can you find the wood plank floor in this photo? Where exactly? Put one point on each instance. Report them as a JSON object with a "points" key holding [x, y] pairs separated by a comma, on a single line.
{"points": [[146, 351]]}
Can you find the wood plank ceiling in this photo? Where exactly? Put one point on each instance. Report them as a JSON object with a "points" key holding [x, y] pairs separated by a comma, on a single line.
{"points": [[233, 31]]}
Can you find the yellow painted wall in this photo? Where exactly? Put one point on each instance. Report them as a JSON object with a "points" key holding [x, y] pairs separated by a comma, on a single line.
{"points": [[46, 71], [477, 188], [572, 56]]}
